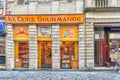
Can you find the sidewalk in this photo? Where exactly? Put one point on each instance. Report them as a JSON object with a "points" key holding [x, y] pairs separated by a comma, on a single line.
{"points": [[59, 75]]}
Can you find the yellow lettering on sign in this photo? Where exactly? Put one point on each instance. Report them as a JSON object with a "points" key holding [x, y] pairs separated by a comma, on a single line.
{"points": [[77, 18]]}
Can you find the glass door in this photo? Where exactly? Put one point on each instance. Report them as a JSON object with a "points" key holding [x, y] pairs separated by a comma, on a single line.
{"points": [[45, 54], [22, 55]]}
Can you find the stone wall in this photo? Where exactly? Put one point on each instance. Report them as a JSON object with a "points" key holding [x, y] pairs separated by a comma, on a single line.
{"points": [[81, 46], [9, 48], [53, 7], [89, 43], [33, 48], [55, 47]]}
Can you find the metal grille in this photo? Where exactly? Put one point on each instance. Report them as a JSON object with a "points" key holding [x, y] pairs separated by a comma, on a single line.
{"points": [[99, 38], [98, 52]]}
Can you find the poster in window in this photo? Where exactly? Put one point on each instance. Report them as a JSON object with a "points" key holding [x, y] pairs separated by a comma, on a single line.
{"points": [[97, 36], [21, 32], [44, 31], [69, 32]]}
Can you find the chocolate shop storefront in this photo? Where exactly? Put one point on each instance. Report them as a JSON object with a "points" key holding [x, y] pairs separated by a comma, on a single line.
{"points": [[45, 41]]}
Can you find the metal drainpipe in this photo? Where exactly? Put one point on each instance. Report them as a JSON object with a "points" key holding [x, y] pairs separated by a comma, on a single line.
{"points": [[85, 61], [5, 6]]}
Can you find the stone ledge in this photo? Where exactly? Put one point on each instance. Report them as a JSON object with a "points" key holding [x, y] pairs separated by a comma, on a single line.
{"points": [[101, 9]]}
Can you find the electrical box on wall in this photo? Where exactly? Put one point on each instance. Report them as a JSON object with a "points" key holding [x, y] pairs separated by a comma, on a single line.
{"points": [[1, 28]]}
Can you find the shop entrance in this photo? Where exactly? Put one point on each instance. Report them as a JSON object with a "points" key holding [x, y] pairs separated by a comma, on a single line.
{"points": [[69, 55], [21, 54], [101, 47], [107, 46], [2, 55], [45, 54]]}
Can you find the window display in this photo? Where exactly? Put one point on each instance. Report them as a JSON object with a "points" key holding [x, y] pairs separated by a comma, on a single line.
{"points": [[114, 49], [45, 48], [22, 58], [68, 54]]}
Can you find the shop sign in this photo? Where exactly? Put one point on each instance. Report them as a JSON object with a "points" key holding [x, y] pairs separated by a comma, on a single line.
{"points": [[1, 28], [68, 18], [21, 32], [68, 32]]}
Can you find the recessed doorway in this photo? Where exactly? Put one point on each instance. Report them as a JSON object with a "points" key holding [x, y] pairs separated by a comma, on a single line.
{"points": [[22, 55]]}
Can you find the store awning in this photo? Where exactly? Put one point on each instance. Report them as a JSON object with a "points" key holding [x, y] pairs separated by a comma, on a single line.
{"points": [[1, 28], [107, 25]]}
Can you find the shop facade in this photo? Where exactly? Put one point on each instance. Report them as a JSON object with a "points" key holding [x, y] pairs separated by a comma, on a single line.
{"points": [[45, 41], [2, 46], [109, 44], [104, 39]]}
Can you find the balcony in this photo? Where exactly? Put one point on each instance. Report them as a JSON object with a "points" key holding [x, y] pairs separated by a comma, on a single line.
{"points": [[102, 5]]}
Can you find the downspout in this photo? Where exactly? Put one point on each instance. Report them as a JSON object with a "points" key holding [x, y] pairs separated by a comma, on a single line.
{"points": [[85, 54], [4, 7]]}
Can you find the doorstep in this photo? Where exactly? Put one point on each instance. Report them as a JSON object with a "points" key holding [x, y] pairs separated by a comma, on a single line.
{"points": [[22, 69], [2, 69], [104, 68]]}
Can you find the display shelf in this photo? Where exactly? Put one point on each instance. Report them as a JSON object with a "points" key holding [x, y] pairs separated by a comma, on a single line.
{"points": [[66, 62], [25, 62]]}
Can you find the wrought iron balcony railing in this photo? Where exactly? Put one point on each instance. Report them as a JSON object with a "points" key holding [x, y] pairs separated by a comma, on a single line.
{"points": [[102, 3]]}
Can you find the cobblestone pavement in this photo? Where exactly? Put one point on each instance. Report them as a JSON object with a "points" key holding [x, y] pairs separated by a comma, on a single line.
{"points": [[59, 75]]}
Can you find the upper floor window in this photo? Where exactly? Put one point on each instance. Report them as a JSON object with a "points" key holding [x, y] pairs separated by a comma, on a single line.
{"points": [[66, 1], [44, 1], [23, 1], [2, 3]]}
